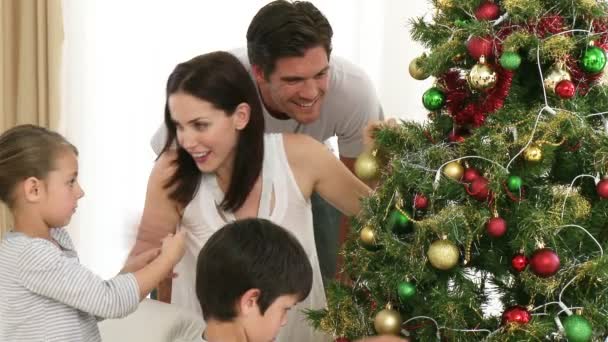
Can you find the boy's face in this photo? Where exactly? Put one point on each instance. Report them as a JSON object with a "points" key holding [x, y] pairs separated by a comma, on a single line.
{"points": [[266, 327]]}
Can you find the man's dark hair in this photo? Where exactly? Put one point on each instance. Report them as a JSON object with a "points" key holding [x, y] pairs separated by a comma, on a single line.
{"points": [[250, 254], [286, 29]]}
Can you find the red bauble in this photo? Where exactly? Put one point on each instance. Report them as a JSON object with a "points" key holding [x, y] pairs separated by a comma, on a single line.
{"points": [[516, 314], [480, 46], [602, 188], [544, 262], [496, 227], [455, 137], [342, 339], [421, 202], [470, 174], [519, 262], [487, 11], [479, 188], [565, 89]]}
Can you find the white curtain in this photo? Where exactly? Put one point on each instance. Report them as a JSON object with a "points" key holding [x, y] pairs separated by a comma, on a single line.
{"points": [[118, 55]]}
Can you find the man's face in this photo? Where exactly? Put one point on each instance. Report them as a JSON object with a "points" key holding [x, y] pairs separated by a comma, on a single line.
{"points": [[297, 86]]}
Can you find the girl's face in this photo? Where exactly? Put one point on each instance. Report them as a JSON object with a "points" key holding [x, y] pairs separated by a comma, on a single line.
{"points": [[61, 191], [208, 134]]}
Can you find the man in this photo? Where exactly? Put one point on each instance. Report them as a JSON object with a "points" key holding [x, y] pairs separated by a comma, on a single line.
{"points": [[303, 90]]}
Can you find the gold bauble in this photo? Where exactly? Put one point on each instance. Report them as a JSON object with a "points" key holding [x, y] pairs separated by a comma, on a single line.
{"points": [[533, 154], [443, 254], [453, 170], [445, 4], [416, 72], [553, 77], [368, 237], [366, 166], [458, 58], [388, 321], [482, 77]]}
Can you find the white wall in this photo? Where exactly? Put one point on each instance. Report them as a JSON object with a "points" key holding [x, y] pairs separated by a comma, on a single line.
{"points": [[118, 54], [401, 95]]}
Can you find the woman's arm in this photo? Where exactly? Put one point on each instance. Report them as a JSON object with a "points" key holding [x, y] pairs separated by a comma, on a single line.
{"points": [[317, 169], [161, 214]]}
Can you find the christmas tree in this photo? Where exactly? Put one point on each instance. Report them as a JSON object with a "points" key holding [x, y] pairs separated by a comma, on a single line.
{"points": [[490, 219]]}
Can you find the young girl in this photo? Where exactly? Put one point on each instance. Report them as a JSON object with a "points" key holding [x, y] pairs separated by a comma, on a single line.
{"points": [[225, 168], [45, 294]]}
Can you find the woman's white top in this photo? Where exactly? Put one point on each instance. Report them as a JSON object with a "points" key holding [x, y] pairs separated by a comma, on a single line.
{"points": [[203, 216]]}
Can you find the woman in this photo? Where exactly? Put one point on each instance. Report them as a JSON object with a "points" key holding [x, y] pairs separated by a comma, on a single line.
{"points": [[225, 168]]}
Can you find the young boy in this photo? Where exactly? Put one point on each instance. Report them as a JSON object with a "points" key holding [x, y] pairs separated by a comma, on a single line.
{"points": [[250, 273]]}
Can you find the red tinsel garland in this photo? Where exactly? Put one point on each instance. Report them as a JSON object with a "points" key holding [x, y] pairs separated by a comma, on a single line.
{"points": [[548, 25], [601, 27], [474, 113], [554, 24], [580, 78]]}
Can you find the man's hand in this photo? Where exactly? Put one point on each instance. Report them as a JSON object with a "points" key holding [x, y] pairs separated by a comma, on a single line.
{"points": [[370, 130], [137, 262]]}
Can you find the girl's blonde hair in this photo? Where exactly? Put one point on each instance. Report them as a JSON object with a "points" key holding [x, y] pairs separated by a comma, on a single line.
{"points": [[28, 151]]}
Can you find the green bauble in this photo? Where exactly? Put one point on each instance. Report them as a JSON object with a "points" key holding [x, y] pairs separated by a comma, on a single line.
{"points": [[510, 60], [514, 183], [578, 329], [399, 223], [433, 99], [461, 22], [594, 60], [406, 290]]}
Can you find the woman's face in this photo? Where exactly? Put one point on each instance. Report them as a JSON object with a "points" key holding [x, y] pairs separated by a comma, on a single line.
{"points": [[208, 134]]}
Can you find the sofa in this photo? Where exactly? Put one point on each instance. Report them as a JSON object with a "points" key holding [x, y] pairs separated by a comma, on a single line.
{"points": [[153, 321]]}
